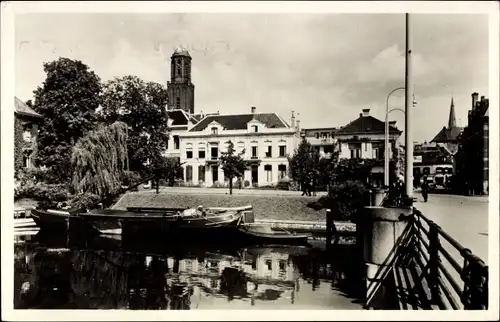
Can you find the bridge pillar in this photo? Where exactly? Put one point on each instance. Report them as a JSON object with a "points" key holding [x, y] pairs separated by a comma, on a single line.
{"points": [[381, 230]]}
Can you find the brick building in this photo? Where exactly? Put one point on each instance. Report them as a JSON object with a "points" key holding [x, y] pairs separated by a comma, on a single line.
{"points": [[26, 122], [472, 158]]}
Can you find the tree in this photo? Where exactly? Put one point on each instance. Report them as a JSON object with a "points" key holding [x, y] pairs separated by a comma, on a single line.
{"points": [[141, 105], [305, 164], [98, 160], [232, 164], [67, 100], [167, 168]]}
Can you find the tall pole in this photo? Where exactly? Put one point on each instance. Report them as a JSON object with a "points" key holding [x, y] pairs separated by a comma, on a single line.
{"points": [[386, 138], [408, 112]]}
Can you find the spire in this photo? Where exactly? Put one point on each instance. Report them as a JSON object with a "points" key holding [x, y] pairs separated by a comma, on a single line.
{"points": [[452, 121]]}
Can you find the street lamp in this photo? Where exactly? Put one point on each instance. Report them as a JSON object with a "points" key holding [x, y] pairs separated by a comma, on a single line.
{"points": [[386, 138]]}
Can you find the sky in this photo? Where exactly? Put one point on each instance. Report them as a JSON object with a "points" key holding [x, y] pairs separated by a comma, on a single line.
{"points": [[324, 67]]}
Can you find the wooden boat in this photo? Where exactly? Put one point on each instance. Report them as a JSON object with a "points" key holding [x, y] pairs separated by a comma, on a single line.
{"points": [[264, 235], [144, 221], [153, 221]]}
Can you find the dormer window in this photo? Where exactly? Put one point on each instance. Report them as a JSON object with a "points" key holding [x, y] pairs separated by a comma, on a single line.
{"points": [[255, 128], [215, 130]]}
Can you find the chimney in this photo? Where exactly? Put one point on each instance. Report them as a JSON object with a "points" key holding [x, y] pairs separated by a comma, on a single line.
{"points": [[474, 100], [298, 125], [293, 120], [253, 109], [366, 112]]}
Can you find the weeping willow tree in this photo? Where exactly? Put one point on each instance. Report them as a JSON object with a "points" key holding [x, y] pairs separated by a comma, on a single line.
{"points": [[98, 160]]}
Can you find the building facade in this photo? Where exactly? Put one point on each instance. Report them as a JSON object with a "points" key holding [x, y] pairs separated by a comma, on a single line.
{"points": [[472, 159], [364, 138], [323, 139], [448, 135], [265, 138], [26, 122]]}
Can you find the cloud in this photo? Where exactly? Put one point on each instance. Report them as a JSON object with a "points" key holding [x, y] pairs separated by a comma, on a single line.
{"points": [[325, 67]]}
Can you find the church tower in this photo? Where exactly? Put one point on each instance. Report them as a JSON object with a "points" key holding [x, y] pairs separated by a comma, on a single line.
{"points": [[180, 89], [452, 121]]}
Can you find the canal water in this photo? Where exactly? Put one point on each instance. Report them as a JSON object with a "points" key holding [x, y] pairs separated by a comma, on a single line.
{"points": [[106, 274]]}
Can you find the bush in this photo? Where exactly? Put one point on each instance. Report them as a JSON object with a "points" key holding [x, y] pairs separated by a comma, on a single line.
{"points": [[84, 200], [247, 183], [283, 185], [346, 200], [130, 178]]}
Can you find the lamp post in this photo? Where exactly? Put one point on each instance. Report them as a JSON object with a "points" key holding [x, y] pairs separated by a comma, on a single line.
{"points": [[386, 137], [408, 109]]}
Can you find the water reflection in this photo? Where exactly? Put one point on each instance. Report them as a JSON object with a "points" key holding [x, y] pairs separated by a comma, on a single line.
{"points": [[106, 275]]}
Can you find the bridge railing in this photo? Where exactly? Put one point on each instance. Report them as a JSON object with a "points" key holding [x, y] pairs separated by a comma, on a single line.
{"points": [[453, 284]]}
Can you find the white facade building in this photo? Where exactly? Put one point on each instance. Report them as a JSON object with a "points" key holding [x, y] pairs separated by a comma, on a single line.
{"points": [[265, 137]]}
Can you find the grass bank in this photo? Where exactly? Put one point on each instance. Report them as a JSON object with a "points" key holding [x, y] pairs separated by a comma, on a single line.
{"points": [[265, 207]]}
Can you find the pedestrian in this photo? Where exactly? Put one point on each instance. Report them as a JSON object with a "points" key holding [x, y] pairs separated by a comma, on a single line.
{"points": [[425, 189], [304, 188]]}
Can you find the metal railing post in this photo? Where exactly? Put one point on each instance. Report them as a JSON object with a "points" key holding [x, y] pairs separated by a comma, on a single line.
{"points": [[475, 277], [434, 246]]}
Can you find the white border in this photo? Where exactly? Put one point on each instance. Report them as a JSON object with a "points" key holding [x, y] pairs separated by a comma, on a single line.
{"points": [[7, 91]]}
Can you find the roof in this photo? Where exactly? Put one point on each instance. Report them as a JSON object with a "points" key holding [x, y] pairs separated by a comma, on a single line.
{"points": [[448, 134], [178, 117], [367, 125], [23, 109], [181, 52], [239, 121], [195, 118]]}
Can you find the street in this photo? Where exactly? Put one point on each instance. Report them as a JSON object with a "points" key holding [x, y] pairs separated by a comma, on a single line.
{"points": [[463, 218]]}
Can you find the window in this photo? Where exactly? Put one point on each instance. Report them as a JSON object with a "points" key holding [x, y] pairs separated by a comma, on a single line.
{"points": [[317, 135], [179, 70], [189, 173], [377, 153], [324, 135], [178, 102], [189, 154], [355, 153], [269, 153], [283, 266], [176, 142], [214, 130], [269, 264], [201, 172], [328, 149], [214, 152], [282, 150], [254, 152], [26, 161], [201, 154], [255, 128], [269, 172], [281, 171]]}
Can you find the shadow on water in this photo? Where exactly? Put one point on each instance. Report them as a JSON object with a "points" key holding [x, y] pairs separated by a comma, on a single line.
{"points": [[107, 273]]}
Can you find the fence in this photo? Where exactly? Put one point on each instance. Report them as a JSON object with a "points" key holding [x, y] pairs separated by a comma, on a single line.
{"points": [[452, 286]]}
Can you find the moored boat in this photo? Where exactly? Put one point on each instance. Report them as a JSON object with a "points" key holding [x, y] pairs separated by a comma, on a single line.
{"points": [[260, 234]]}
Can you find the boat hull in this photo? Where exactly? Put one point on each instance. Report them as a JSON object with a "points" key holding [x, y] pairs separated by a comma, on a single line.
{"points": [[262, 235]]}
